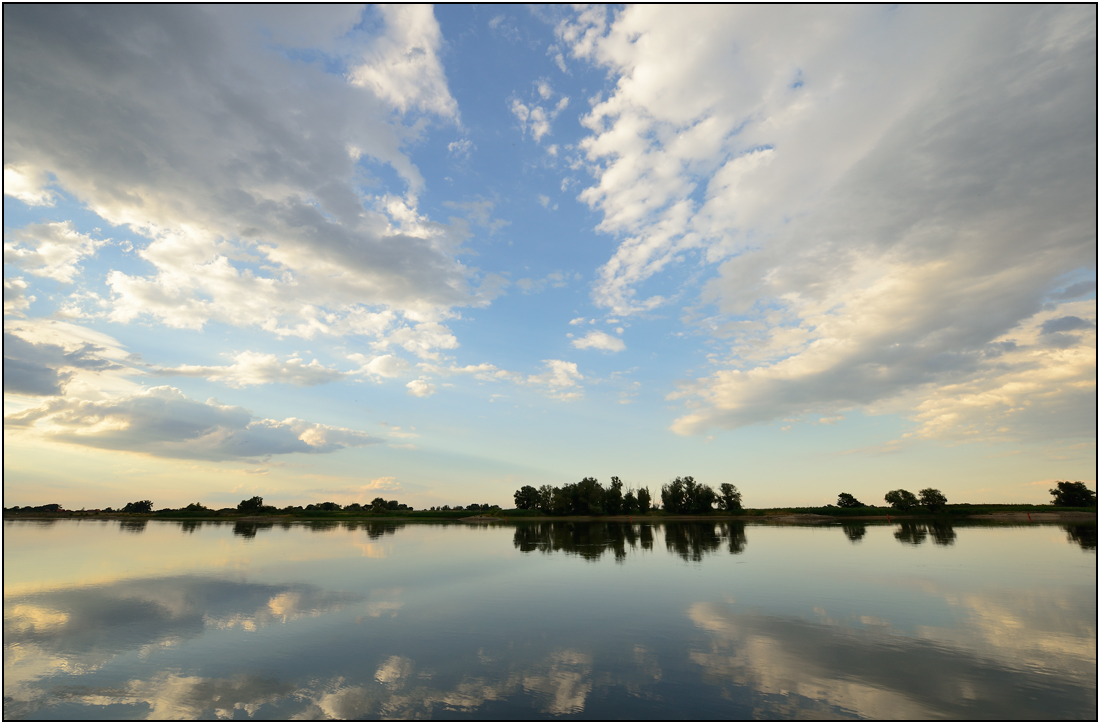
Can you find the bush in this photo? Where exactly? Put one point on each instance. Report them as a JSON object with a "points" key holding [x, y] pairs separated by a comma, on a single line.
{"points": [[141, 506]]}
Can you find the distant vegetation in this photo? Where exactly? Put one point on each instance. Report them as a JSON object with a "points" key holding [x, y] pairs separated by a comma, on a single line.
{"points": [[681, 496]]}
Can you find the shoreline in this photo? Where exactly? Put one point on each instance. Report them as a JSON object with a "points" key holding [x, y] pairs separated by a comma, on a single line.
{"points": [[803, 518]]}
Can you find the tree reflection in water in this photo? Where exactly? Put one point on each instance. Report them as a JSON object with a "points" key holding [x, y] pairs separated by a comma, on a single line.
{"points": [[132, 526], [854, 531], [591, 540], [250, 528], [914, 533], [1082, 535]]}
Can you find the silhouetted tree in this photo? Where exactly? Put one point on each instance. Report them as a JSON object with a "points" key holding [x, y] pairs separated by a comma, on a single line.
{"points": [[253, 504], [378, 505], [643, 501], [730, 498], [933, 499], [901, 499], [1072, 495], [613, 497], [847, 500], [141, 506], [546, 496], [196, 508], [630, 503], [684, 495], [672, 496], [527, 498]]}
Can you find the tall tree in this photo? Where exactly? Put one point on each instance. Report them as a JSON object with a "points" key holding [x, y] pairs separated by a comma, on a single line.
{"points": [[730, 497], [613, 497]]}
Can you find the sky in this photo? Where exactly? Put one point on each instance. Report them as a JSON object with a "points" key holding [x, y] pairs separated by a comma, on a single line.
{"points": [[321, 253]]}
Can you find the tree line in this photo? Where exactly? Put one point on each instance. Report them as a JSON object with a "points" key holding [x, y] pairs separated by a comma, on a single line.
{"points": [[683, 496]]}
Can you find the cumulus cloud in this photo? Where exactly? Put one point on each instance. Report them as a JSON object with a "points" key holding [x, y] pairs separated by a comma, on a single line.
{"points": [[240, 163], [883, 226], [559, 379], [386, 365], [596, 339], [29, 185], [255, 368], [50, 250], [536, 118], [420, 388], [163, 422], [403, 65], [15, 297]]}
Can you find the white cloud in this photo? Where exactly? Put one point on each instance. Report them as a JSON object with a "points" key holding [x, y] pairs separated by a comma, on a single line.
{"points": [[238, 168], [537, 118], [386, 365], [883, 225], [256, 368], [422, 340], [403, 65], [163, 422], [560, 379], [596, 339], [15, 296], [461, 148], [28, 185], [420, 388], [50, 250]]}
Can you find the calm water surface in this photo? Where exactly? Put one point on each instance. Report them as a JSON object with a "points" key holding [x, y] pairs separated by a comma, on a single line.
{"points": [[687, 621]]}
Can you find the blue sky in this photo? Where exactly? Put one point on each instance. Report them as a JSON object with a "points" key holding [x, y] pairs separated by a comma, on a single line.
{"points": [[332, 253]]}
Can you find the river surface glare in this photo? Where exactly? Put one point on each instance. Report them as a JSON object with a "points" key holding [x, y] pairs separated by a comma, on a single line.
{"points": [[170, 620]]}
